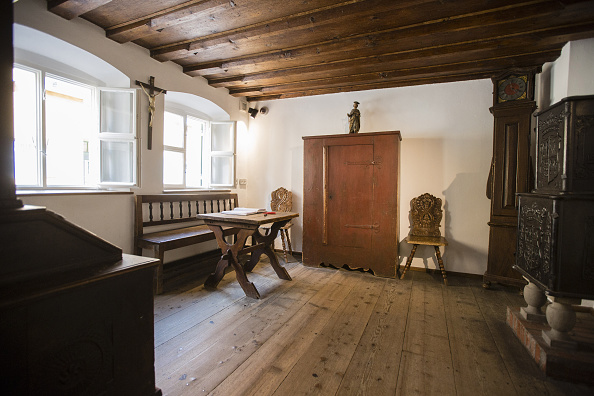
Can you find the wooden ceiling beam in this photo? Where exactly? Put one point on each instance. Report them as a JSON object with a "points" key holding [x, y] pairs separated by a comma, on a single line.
{"points": [[328, 26], [149, 24], [174, 50], [420, 60], [473, 66], [386, 45], [328, 23], [191, 15], [389, 23], [70, 9], [375, 85], [267, 49], [370, 64]]}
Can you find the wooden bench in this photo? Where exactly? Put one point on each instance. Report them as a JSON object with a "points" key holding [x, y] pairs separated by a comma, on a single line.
{"points": [[173, 221]]}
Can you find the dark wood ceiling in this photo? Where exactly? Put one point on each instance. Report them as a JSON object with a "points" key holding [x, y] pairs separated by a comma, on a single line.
{"points": [[269, 49]]}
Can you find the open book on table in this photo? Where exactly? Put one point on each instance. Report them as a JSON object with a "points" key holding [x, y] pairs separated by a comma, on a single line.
{"points": [[243, 211]]}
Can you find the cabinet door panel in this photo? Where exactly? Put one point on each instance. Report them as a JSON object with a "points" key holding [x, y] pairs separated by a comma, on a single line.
{"points": [[349, 191]]}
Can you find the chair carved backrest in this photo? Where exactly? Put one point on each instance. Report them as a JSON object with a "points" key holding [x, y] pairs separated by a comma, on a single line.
{"points": [[426, 214], [282, 200]]}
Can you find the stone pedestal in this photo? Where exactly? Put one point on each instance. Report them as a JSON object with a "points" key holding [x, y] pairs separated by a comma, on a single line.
{"points": [[535, 298], [561, 318]]}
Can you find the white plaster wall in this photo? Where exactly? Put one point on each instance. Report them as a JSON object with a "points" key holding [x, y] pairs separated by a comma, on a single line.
{"points": [[109, 217], [446, 150]]}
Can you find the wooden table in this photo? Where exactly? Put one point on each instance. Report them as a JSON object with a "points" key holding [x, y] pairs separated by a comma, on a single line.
{"points": [[249, 226]]}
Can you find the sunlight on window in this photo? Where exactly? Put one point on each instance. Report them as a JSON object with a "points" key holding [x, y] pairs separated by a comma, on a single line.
{"points": [[221, 173], [196, 131], [222, 137], [26, 129], [117, 162], [173, 130], [71, 135], [68, 125], [173, 168], [117, 115], [183, 153], [222, 153]]}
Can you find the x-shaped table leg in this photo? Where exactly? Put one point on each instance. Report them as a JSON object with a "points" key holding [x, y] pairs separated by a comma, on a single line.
{"points": [[231, 254], [230, 257], [264, 245]]}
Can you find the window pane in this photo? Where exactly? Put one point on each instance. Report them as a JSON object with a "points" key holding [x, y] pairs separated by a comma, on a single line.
{"points": [[222, 137], [222, 170], [173, 133], [69, 127], [117, 112], [117, 162], [173, 168], [195, 145], [26, 131]]}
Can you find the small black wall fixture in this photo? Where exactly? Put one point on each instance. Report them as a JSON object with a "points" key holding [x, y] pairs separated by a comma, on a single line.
{"points": [[252, 112]]}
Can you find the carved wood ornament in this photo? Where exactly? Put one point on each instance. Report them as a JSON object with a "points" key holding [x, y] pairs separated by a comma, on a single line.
{"points": [[426, 214], [282, 200]]}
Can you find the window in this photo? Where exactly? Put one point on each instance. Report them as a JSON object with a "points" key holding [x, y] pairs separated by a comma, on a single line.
{"points": [[197, 153], [69, 134]]}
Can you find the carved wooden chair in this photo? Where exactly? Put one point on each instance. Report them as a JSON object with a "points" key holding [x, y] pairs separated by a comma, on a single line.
{"points": [[426, 214], [282, 201]]}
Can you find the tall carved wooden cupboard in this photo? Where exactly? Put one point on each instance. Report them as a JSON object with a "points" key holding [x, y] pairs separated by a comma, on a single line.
{"points": [[351, 201], [513, 105]]}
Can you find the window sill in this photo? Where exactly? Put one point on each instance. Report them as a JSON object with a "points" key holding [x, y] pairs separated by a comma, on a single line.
{"points": [[195, 190], [32, 193]]}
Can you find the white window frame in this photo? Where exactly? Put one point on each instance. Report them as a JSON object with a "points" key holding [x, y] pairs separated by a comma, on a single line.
{"points": [[132, 137], [225, 154], [119, 137], [207, 152], [40, 125]]}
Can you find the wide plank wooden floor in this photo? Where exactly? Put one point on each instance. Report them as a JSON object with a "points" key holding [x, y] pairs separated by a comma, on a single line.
{"points": [[337, 332]]}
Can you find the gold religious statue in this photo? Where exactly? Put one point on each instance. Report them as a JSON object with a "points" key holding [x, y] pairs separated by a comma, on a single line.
{"points": [[354, 118]]}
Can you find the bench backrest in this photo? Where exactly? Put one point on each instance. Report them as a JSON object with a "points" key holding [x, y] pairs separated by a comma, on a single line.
{"points": [[163, 209]]}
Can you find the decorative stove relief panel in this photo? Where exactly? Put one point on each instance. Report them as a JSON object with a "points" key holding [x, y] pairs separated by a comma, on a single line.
{"points": [[584, 160], [550, 152], [588, 258], [535, 240]]}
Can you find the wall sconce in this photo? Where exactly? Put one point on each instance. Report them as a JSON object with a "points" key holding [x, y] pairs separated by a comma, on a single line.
{"points": [[252, 112]]}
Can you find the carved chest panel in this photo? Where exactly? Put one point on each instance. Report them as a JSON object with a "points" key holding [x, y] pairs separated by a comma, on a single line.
{"points": [[555, 245], [565, 146]]}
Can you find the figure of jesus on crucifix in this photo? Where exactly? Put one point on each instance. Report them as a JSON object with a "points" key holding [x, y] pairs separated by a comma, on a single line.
{"points": [[151, 92]]}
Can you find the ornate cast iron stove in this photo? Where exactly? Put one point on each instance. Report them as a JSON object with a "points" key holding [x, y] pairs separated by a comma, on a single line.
{"points": [[555, 244]]}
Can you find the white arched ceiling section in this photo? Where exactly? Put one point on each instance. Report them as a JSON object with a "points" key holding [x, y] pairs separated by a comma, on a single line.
{"points": [[35, 48], [205, 107]]}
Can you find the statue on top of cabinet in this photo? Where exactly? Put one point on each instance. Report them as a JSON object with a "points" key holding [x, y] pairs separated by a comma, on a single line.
{"points": [[354, 118]]}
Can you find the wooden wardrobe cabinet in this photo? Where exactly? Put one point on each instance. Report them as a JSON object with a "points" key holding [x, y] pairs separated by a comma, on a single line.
{"points": [[351, 201]]}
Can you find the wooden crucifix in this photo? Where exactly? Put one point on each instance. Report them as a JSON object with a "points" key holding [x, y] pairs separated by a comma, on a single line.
{"points": [[151, 92]]}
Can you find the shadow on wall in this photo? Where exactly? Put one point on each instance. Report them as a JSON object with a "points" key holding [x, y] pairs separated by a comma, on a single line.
{"points": [[464, 225], [466, 216]]}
